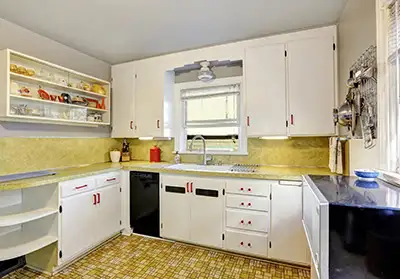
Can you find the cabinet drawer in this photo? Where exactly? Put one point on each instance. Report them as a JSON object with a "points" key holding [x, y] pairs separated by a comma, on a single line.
{"points": [[247, 220], [76, 186], [247, 202], [247, 242], [108, 179], [248, 187]]}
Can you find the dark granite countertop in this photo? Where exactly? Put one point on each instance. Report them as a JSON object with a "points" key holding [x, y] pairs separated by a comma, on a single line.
{"points": [[351, 191]]}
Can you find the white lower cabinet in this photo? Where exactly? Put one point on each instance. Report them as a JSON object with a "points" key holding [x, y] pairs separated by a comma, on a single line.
{"points": [[91, 213], [262, 218], [251, 243], [192, 209], [288, 241], [77, 233]]}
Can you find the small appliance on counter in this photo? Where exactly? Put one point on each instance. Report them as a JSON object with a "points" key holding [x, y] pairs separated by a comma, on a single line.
{"points": [[144, 203], [155, 154]]}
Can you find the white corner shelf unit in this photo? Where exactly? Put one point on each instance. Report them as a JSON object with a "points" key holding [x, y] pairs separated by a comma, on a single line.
{"points": [[69, 98], [28, 220]]}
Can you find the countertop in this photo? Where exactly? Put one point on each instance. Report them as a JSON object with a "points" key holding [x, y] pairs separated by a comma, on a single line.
{"points": [[264, 172], [351, 191]]}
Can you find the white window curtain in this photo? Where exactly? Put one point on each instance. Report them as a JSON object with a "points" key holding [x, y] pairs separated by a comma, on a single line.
{"points": [[211, 106]]}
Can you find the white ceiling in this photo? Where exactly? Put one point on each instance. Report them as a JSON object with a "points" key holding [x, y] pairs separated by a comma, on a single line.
{"points": [[122, 30]]}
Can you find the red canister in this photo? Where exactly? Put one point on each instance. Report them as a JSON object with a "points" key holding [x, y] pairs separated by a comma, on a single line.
{"points": [[155, 154]]}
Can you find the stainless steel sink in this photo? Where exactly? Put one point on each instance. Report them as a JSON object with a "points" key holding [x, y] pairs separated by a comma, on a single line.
{"points": [[194, 167]]}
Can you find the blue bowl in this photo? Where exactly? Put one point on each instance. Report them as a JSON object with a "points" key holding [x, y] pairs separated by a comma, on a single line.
{"points": [[368, 174]]}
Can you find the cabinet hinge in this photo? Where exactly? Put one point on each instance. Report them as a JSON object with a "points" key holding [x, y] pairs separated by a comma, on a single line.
{"points": [[334, 46], [270, 244], [223, 192], [287, 123], [60, 254], [270, 196], [60, 209], [223, 236], [161, 225], [285, 53]]}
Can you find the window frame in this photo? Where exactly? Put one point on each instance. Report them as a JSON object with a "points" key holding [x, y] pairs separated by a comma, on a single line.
{"points": [[180, 112], [388, 113]]}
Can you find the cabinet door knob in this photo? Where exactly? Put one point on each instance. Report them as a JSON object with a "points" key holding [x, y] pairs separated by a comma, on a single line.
{"points": [[249, 244], [241, 243], [249, 204], [131, 125], [242, 204], [249, 189], [249, 222], [94, 199], [242, 222], [98, 197], [241, 189], [158, 124]]}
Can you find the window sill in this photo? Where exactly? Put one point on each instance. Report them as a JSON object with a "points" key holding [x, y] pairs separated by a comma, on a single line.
{"points": [[238, 153], [390, 177]]}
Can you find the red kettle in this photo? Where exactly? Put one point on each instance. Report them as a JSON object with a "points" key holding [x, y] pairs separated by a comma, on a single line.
{"points": [[155, 154]]}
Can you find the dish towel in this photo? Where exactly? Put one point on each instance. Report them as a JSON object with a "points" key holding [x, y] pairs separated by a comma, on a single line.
{"points": [[335, 155]]}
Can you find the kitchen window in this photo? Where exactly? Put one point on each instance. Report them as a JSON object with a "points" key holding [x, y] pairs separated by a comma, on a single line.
{"points": [[388, 28], [212, 110]]}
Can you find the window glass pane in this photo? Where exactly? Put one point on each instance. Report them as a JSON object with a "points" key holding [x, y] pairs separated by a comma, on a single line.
{"points": [[221, 145], [213, 131]]}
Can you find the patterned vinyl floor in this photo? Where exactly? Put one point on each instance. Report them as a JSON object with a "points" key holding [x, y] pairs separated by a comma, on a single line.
{"points": [[139, 257]]}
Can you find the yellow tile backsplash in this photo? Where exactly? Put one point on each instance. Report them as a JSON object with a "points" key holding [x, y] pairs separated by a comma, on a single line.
{"points": [[308, 151], [31, 154]]}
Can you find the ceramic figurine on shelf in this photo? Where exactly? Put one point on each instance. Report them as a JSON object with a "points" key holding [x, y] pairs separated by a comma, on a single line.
{"points": [[126, 155]]}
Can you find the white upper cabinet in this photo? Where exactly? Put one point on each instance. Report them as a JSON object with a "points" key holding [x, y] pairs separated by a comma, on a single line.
{"points": [[123, 101], [311, 86], [265, 70], [149, 99]]}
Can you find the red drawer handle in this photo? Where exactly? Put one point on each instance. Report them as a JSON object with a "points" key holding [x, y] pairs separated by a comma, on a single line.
{"points": [[249, 244], [249, 189], [248, 121], [242, 222], [98, 198], [187, 187], [249, 204], [242, 204], [241, 243], [191, 187], [94, 199], [241, 189], [80, 187], [111, 179], [291, 119], [158, 124], [130, 125], [249, 222]]}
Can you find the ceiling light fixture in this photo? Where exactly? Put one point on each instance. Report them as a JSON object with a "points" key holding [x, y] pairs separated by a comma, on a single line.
{"points": [[205, 73]]}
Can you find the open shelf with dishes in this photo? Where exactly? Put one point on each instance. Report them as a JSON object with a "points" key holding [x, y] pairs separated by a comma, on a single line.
{"points": [[38, 91]]}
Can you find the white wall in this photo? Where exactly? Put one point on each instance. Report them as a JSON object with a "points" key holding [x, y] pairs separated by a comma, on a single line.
{"points": [[17, 38], [356, 32]]}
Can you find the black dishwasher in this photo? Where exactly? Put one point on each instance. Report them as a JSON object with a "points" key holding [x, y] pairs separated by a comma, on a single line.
{"points": [[145, 203]]}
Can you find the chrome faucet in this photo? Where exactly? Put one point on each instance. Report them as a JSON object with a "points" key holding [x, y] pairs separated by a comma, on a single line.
{"points": [[204, 147]]}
